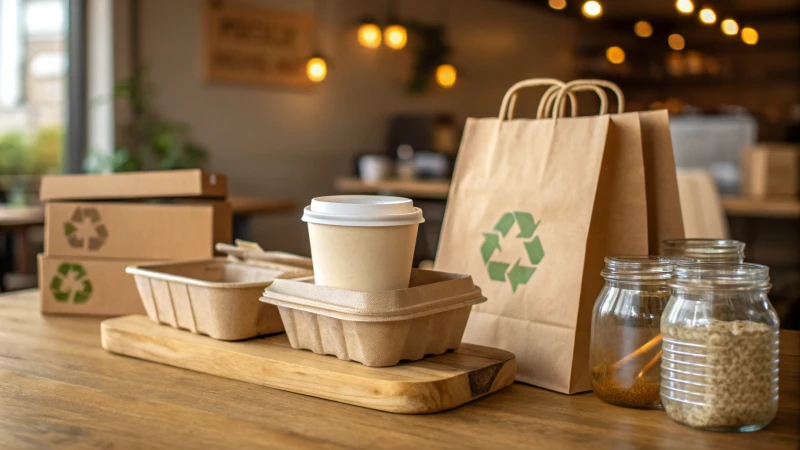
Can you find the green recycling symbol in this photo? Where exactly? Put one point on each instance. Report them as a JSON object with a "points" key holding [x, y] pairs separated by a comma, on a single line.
{"points": [[71, 274], [519, 273], [72, 229]]}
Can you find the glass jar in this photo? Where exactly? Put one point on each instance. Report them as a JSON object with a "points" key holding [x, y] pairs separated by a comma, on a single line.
{"points": [[705, 250], [625, 353], [719, 367]]}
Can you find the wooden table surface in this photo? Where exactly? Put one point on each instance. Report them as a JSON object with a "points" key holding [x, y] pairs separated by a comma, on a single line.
{"points": [[58, 388], [776, 208], [257, 205]]}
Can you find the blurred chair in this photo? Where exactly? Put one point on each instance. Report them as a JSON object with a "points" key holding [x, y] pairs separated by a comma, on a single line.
{"points": [[701, 206]]}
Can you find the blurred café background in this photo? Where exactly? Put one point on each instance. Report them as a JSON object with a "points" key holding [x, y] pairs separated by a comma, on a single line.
{"points": [[301, 98]]}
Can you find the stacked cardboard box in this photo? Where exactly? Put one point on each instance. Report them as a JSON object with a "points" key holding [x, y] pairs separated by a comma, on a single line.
{"points": [[96, 225]]}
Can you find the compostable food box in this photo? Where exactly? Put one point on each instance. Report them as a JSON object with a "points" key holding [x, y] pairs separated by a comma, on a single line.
{"points": [[87, 286], [188, 183], [136, 230]]}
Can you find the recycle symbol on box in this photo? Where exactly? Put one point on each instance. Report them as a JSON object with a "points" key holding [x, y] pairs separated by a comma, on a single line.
{"points": [[520, 272], [59, 285], [75, 237]]}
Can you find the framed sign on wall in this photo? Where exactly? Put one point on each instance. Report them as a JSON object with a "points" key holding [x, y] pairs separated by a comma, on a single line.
{"points": [[246, 44]]}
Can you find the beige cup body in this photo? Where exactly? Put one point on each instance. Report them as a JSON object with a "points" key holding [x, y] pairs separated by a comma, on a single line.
{"points": [[366, 259]]}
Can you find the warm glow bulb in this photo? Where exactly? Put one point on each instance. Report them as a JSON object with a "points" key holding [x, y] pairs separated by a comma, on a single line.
{"points": [[676, 42], [708, 16], [446, 75], [557, 4], [684, 6], [316, 69], [615, 55], [369, 35], [395, 36], [729, 27], [643, 29], [749, 36], [592, 9]]}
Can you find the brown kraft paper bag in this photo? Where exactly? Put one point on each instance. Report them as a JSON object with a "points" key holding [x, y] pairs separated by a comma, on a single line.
{"points": [[534, 208]]}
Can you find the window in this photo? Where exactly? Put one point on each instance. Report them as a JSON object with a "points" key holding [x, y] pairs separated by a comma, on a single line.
{"points": [[33, 82]]}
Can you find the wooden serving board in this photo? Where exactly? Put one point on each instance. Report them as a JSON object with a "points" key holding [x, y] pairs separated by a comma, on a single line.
{"points": [[433, 384]]}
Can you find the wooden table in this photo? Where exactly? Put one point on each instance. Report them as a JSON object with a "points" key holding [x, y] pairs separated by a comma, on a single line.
{"points": [[18, 220], [430, 189], [245, 208], [775, 208], [58, 388]]}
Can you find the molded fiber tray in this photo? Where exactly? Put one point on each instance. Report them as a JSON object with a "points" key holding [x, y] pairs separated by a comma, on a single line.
{"points": [[377, 328]]}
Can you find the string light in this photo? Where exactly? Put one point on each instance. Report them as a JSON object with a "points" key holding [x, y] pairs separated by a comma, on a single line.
{"points": [[676, 42], [592, 9], [643, 29], [557, 4], [729, 27], [395, 36], [446, 75], [708, 16], [316, 69], [369, 35], [615, 55], [684, 6], [749, 36]]}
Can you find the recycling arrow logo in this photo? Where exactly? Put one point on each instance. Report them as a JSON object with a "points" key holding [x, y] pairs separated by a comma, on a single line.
{"points": [[70, 284], [80, 234], [520, 272]]}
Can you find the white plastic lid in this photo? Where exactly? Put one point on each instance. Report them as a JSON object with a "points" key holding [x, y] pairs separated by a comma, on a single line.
{"points": [[362, 211]]}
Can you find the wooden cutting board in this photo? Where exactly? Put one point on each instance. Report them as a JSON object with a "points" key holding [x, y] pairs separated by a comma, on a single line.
{"points": [[433, 384]]}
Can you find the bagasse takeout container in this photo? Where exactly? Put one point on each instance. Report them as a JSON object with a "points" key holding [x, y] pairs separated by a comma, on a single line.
{"points": [[377, 328], [218, 297]]}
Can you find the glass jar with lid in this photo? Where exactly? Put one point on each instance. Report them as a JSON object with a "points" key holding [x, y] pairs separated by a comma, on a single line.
{"points": [[625, 353], [705, 250], [719, 367]]}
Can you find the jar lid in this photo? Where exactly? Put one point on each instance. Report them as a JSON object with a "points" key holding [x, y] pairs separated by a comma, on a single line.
{"points": [[721, 276], [362, 211], [705, 250], [641, 268]]}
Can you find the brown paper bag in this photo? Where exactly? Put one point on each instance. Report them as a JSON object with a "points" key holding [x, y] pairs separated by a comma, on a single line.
{"points": [[536, 205]]}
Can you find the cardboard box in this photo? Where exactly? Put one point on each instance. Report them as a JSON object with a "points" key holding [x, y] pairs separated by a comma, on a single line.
{"points": [[136, 231], [138, 185], [87, 286], [771, 170]]}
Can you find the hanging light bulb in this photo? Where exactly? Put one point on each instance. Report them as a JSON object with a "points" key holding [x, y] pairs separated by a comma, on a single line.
{"points": [[395, 36], [729, 27], [316, 69], [749, 36], [446, 75], [369, 35], [684, 6], [592, 9], [643, 29], [615, 55], [557, 4], [676, 42], [708, 16]]}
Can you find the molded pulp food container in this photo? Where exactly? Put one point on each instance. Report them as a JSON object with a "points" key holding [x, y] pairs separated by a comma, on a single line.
{"points": [[218, 297], [377, 328]]}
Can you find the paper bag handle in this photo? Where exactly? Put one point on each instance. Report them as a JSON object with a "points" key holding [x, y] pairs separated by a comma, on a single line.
{"points": [[510, 99], [540, 111], [583, 85]]}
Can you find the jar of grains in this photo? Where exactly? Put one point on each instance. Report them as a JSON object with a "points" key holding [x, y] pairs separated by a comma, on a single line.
{"points": [[719, 368], [705, 250], [625, 353]]}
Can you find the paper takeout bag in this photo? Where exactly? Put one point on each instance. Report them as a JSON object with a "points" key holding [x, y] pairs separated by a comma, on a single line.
{"points": [[536, 204]]}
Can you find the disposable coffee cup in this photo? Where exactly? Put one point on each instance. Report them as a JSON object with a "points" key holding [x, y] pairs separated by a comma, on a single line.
{"points": [[362, 242]]}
